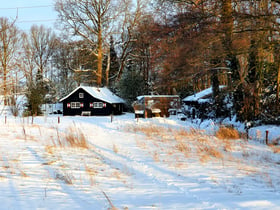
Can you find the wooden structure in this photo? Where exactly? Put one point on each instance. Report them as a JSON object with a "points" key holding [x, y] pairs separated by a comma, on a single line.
{"points": [[200, 104], [155, 105], [87, 101]]}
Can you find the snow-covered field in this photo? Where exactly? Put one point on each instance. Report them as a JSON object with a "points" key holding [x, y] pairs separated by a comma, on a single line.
{"points": [[129, 164]]}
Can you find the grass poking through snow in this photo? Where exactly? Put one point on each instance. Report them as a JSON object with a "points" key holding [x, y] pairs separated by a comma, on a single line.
{"points": [[191, 143], [227, 133]]}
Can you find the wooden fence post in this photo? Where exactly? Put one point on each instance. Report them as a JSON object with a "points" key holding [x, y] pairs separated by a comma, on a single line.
{"points": [[266, 137]]}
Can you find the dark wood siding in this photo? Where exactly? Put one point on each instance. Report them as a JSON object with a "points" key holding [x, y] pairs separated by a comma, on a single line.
{"points": [[87, 99]]}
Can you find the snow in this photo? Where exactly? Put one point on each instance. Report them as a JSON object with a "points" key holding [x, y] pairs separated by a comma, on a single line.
{"points": [[200, 96], [156, 163], [20, 103], [139, 111], [51, 108], [156, 96], [156, 110], [103, 94], [259, 133]]}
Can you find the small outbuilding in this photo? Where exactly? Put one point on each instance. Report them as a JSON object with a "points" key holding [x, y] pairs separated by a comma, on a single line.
{"points": [[199, 104], [87, 101], [156, 105]]}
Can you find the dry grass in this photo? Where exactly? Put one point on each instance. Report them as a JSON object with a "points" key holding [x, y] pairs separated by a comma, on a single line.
{"points": [[91, 171], [156, 157], [23, 174], [207, 151], [117, 174], [75, 138], [150, 131], [115, 149], [49, 149], [50, 162], [183, 147], [227, 146], [182, 134], [212, 151], [92, 174], [276, 141], [141, 144], [191, 143], [2, 177], [227, 133], [204, 158], [202, 139], [65, 177], [274, 148], [183, 141], [112, 207]]}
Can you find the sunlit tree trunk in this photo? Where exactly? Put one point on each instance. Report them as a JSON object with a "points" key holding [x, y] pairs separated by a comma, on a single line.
{"points": [[107, 71], [100, 52]]}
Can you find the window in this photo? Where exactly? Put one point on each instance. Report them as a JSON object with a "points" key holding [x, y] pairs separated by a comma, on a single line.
{"points": [[75, 105], [81, 95], [98, 105]]}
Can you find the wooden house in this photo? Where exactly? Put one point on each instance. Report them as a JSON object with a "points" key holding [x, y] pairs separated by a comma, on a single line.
{"points": [[87, 101], [155, 105]]}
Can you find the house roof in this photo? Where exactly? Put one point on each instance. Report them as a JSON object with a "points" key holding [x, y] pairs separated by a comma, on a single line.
{"points": [[202, 96], [103, 94]]}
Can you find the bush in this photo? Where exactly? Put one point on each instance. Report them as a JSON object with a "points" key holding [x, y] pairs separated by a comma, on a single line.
{"points": [[227, 133]]}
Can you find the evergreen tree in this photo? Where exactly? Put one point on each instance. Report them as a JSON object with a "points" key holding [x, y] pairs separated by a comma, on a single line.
{"points": [[131, 85], [114, 64], [39, 91]]}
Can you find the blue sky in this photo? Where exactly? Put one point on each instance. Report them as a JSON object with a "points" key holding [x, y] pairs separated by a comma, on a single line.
{"points": [[29, 12]]}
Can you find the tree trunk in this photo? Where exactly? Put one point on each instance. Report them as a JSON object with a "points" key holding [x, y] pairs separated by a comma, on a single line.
{"points": [[99, 57], [108, 69], [5, 74], [5, 85], [278, 88]]}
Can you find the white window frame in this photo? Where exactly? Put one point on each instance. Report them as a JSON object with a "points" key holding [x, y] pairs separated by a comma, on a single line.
{"points": [[75, 105], [81, 95], [98, 105]]}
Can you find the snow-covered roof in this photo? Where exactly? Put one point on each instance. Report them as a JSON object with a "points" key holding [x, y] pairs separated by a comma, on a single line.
{"points": [[103, 94], [156, 96], [201, 96]]}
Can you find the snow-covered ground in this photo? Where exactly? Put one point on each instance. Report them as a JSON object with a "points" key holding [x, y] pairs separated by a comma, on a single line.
{"points": [[134, 164]]}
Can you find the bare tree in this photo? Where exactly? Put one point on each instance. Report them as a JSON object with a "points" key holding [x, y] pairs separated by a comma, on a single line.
{"points": [[97, 21], [134, 14], [42, 42], [38, 48], [65, 60], [9, 43], [89, 19]]}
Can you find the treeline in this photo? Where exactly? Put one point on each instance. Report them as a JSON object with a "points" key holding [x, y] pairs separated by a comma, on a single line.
{"points": [[234, 43], [143, 47]]}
